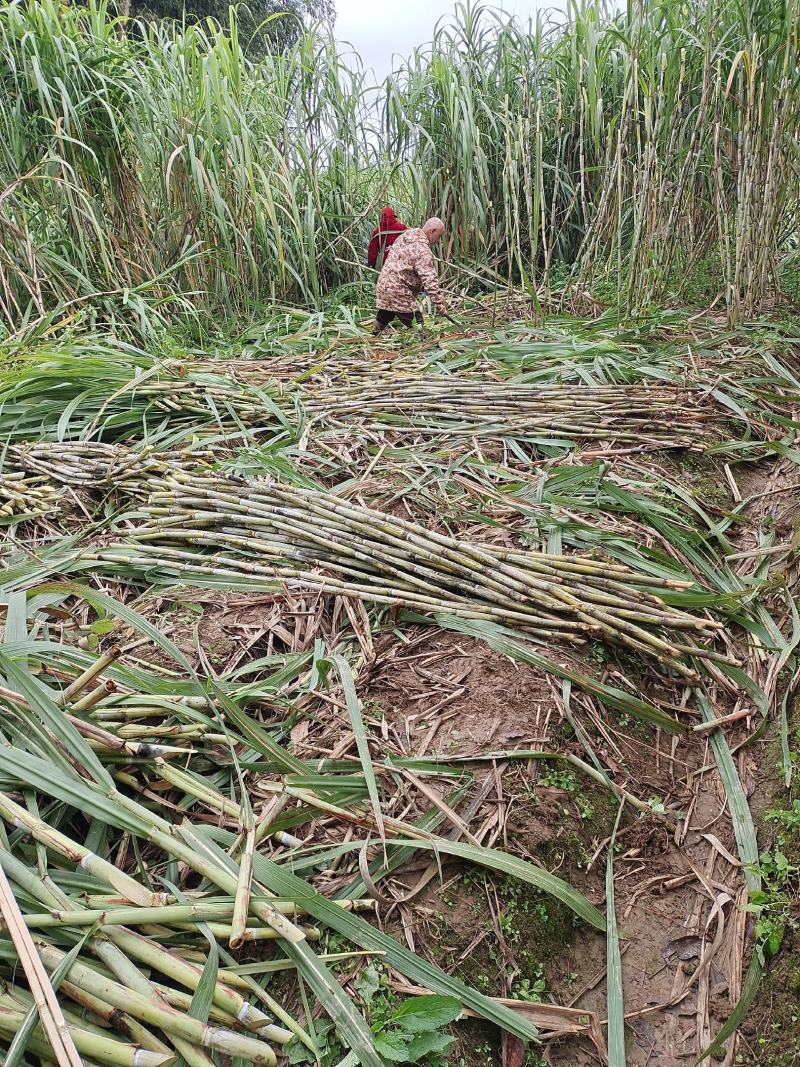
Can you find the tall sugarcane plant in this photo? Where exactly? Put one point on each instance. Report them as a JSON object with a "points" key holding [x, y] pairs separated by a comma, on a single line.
{"points": [[627, 153]]}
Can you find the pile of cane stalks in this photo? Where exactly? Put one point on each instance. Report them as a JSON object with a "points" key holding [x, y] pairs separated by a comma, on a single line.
{"points": [[23, 497], [651, 417], [121, 948], [200, 524], [194, 523], [257, 399]]}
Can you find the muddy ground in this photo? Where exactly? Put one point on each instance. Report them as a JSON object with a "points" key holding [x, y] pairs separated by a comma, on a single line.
{"points": [[511, 941]]}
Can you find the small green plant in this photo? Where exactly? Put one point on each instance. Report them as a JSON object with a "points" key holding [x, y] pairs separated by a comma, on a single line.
{"points": [[410, 1034], [413, 1031], [408, 1031], [482, 1054], [773, 903], [532, 988], [787, 819], [584, 806], [598, 652], [556, 778]]}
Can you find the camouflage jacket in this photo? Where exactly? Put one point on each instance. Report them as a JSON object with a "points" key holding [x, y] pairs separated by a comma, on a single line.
{"points": [[407, 271]]}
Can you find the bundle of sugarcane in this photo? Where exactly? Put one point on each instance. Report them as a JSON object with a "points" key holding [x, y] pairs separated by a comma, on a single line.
{"points": [[98, 465], [651, 416], [316, 540], [136, 954], [25, 497], [283, 375], [71, 399], [207, 395], [100, 709]]}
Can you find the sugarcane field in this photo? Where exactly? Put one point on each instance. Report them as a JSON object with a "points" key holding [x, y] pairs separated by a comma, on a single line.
{"points": [[399, 533]]}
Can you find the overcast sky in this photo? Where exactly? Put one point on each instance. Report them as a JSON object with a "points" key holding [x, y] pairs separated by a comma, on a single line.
{"points": [[378, 29]]}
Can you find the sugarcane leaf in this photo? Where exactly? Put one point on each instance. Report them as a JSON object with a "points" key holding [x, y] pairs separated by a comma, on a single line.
{"points": [[727, 401], [347, 1018], [69, 410], [495, 860], [741, 816], [255, 734], [750, 986], [53, 718], [794, 640], [748, 685], [22, 572], [16, 628], [786, 752], [614, 994], [84, 796], [28, 729], [395, 857], [360, 734], [203, 996]]}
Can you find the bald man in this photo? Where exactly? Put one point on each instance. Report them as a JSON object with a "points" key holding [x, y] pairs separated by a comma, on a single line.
{"points": [[407, 271]]}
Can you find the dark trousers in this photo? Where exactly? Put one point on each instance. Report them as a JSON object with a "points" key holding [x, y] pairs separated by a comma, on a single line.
{"points": [[383, 318]]}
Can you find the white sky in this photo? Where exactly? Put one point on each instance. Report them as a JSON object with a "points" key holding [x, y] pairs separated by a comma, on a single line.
{"points": [[378, 29]]}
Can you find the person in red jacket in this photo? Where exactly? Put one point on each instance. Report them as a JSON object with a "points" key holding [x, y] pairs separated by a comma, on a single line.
{"points": [[383, 237]]}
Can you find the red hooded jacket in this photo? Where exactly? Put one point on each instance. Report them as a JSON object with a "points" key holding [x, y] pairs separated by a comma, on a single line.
{"points": [[384, 236]]}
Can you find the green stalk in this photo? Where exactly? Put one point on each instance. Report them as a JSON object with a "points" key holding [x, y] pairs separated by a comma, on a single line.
{"points": [[186, 974], [150, 1011], [212, 911], [88, 676], [100, 1049], [78, 854], [130, 976]]}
